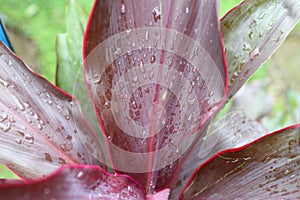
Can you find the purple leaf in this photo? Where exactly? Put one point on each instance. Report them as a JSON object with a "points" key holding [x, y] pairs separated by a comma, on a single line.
{"points": [[38, 132], [162, 195], [252, 32], [155, 71], [231, 131], [75, 182], [268, 168]]}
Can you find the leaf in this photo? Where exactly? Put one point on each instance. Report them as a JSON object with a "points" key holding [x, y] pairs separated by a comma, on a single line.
{"points": [[162, 195], [69, 72], [40, 126], [155, 72], [231, 131], [252, 32], [69, 47], [265, 169], [75, 182]]}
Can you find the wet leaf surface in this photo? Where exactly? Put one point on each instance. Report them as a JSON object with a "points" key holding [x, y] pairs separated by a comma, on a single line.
{"points": [[75, 182], [266, 169]]}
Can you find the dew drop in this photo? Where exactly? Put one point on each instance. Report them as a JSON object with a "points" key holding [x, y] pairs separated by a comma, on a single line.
{"points": [[147, 36], [254, 53], [156, 14], [18, 141], [6, 127], [152, 59], [151, 75], [123, 9], [128, 32], [187, 10], [79, 175], [67, 117], [117, 52], [142, 67], [4, 83], [48, 157], [3, 117]]}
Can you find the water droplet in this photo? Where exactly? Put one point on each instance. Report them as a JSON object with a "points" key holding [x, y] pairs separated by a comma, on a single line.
{"points": [[3, 117], [4, 83], [147, 36], [142, 67], [262, 15], [123, 9], [187, 10], [79, 175], [19, 141], [151, 75], [48, 157], [152, 59], [128, 32], [118, 51], [67, 117], [156, 14], [129, 188], [30, 139], [6, 127], [286, 172], [254, 53], [39, 126]]}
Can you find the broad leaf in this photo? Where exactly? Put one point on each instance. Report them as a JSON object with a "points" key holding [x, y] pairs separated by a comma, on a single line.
{"points": [[155, 71], [231, 131], [266, 169], [38, 132], [69, 47], [252, 32], [75, 182]]}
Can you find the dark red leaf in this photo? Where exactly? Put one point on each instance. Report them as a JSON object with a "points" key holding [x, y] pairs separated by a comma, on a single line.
{"points": [[155, 71], [231, 131], [75, 182], [268, 168], [40, 126]]}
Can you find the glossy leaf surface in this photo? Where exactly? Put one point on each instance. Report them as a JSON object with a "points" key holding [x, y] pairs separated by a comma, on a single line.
{"points": [[231, 131], [38, 132], [155, 71], [252, 32], [266, 169], [75, 182]]}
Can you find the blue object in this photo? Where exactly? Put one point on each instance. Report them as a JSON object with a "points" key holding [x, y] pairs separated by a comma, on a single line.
{"points": [[3, 36]]}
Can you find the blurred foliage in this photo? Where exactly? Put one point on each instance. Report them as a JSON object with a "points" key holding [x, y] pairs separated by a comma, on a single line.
{"points": [[41, 21]]}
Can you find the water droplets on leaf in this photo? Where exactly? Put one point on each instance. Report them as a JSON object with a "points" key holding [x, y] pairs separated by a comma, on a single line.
{"points": [[254, 53], [123, 9], [152, 59], [48, 157], [3, 83], [187, 10], [156, 14]]}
